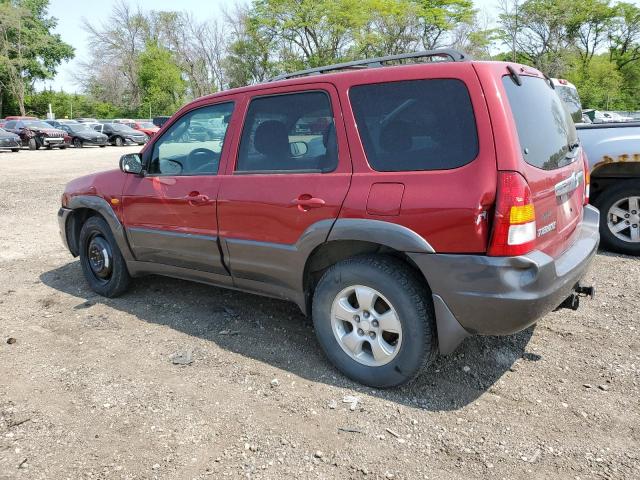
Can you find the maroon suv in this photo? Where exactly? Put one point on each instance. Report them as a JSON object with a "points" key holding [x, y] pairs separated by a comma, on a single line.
{"points": [[403, 207]]}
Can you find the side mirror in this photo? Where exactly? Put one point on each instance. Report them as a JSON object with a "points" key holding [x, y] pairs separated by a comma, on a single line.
{"points": [[131, 163], [298, 149]]}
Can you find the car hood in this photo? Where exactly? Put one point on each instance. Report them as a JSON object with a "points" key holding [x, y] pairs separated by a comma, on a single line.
{"points": [[148, 131], [48, 131], [89, 135]]}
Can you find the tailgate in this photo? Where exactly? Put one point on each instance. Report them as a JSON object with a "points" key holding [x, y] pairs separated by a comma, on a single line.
{"points": [[550, 159]]}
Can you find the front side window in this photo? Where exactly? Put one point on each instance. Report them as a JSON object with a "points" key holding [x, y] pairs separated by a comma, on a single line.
{"points": [[415, 125], [193, 144], [289, 133]]}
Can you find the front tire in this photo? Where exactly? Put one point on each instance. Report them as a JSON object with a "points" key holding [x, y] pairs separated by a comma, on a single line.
{"points": [[102, 264], [119, 141], [15, 150], [620, 218], [33, 144], [374, 320], [77, 143]]}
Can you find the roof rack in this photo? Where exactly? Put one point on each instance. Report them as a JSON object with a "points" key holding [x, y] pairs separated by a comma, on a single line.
{"points": [[453, 55]]}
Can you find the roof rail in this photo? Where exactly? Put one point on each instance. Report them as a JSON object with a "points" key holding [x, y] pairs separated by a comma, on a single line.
{"points": [[453, 55]]}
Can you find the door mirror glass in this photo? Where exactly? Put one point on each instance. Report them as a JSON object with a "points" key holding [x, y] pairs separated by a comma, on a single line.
{"points": [[131, 163], [298, 149]]}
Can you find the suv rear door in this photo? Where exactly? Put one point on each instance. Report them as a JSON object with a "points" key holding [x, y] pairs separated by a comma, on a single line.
{"points": [[290, 176], [549, 158]]}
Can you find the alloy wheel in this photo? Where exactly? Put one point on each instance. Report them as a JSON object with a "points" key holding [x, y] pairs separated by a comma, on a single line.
{"points": [[366, 325], [623, 219]]}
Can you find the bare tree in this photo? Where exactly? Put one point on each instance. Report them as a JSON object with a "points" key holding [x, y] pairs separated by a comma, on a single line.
{"points": [[115, 46]]}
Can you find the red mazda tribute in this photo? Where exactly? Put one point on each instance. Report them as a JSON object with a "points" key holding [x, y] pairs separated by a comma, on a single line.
{"points": [[404, 207]]}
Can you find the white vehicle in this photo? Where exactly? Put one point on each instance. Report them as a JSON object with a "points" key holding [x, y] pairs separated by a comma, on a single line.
{"points": [[610, 117]]}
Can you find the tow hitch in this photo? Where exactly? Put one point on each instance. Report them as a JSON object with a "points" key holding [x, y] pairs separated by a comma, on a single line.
{"points": [[573, 301]]}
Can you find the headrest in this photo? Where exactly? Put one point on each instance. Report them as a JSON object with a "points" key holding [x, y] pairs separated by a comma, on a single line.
{"points": [[271, 138]]}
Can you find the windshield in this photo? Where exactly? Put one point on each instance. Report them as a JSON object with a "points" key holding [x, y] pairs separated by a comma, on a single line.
{"points": [[123, 128], [546, 131], [80, 127], [36, 124], [146, 125]]}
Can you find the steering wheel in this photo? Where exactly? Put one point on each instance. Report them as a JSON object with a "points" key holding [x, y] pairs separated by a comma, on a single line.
{"points": [[211, 156]]}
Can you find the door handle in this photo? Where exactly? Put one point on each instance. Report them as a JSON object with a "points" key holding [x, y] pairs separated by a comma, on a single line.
{"points": [[196, 199], [306, 202]]}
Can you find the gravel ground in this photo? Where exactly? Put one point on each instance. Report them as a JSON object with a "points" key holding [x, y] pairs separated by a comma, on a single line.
{"points": [[89, 389]]}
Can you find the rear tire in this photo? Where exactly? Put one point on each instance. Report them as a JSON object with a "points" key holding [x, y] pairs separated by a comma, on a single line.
{"points": [[102, 264], [389, 332], [77, 143], [33, 144], [614, 204], [119, 141], [15, 150]]}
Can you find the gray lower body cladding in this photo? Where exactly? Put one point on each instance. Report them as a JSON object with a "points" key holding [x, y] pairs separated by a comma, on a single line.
{"points": [[472, 294], [503, 295]]}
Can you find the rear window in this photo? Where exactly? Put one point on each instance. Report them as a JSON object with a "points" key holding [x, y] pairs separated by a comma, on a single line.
{"points": [[545, 128], [415, 125]]}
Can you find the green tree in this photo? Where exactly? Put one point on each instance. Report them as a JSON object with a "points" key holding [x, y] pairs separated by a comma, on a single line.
{"points": [[249, 53], [625, 35], [29, 51], [589, 26], [601, 85], [160, 80]]}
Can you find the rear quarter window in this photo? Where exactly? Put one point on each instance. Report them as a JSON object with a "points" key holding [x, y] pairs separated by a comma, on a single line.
{"points": [[545, 128], [415, 125]]}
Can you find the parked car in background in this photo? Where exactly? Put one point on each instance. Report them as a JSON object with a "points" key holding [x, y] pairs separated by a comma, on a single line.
{"points": [[60, 122], [82, 134], [14, 117], [9, 141], [403, 208], [613, 151], [86, 120], [36, 134], [599, 116], [148, 128], [120, 134]]}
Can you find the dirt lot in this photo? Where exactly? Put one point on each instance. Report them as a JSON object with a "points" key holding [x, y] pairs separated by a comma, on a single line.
{"points": [[89, 390]]}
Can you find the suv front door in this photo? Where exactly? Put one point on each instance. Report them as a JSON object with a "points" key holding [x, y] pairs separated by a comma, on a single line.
{"points": [[170, 212], [287, 183]]}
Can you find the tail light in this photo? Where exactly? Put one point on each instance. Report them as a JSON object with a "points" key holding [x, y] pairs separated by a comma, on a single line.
{"points": [[587, 178], [514, 224]]}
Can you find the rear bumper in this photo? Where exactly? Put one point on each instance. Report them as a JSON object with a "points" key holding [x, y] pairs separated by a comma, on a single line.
{"points": [[503, 295]]}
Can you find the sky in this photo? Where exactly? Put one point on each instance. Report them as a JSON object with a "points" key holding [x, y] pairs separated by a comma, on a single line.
{"points": [[72, 13]]}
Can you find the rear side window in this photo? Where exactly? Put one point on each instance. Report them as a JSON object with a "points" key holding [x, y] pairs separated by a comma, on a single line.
{"points": [[416, 125], [289, 133], [545, 128]]}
